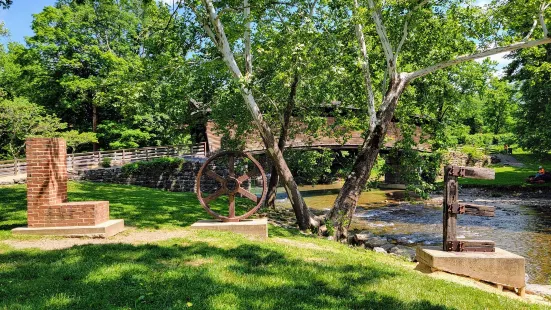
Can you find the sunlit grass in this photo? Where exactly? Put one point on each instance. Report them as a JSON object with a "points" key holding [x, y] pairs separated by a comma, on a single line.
{"points": [[211, 270]]}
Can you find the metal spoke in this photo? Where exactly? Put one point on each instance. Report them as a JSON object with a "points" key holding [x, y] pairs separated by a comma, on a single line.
{"points": [[231, 198], [248, 194], [215, 176], [243, 178], [215, 195], [231, 165]]}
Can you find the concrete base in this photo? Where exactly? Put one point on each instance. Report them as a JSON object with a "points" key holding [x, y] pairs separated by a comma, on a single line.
{"points": [[103, 230], [251, 227], [503, 268]]}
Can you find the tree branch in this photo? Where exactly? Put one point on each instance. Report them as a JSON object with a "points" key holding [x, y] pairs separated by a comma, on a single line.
{"points": [[381, 31], [366, 72], [534, 25], [205, 24], [542, 19], [405, 29], [482, 54], [247, 39]]}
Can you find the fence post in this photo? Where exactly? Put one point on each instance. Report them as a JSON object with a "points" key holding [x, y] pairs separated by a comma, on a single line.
{"points": [[15, 166]]}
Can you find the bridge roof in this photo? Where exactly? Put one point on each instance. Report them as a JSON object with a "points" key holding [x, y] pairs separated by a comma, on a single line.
{"points": [[341, 141]]}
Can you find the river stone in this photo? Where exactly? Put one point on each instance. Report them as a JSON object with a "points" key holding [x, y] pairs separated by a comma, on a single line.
{"points": [[379, 250], [362, 237], [388, 246], [404, 251], [375, 242]]}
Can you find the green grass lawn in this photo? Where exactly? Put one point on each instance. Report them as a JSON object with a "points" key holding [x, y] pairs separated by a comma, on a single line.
{"points": [[139, 206], [514, 176], [210, 270]]}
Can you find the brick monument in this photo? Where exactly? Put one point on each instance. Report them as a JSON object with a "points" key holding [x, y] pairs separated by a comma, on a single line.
{"points": [[48, 211]]}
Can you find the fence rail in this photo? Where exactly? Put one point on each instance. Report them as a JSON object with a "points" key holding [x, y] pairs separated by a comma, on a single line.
{"points": [[90, 160]]}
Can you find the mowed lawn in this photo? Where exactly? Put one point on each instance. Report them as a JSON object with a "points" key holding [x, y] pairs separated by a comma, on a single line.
{"points": [[508, 176], [210, 270]]}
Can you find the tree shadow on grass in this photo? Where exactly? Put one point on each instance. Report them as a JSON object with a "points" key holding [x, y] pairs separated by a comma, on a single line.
{"points": [[139, 206], [13, 207], [182, 274]]}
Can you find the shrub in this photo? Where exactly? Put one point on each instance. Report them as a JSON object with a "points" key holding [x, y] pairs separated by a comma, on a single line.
{"points": [[157, 165], [310, 167], [106, 162], [473, 153]]}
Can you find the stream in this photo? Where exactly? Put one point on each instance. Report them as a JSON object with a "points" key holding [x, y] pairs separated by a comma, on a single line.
{"points": [[520, 225]]}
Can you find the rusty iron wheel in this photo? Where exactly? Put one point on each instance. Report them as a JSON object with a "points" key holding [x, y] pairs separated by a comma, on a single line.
{"points": [[231, 186]]}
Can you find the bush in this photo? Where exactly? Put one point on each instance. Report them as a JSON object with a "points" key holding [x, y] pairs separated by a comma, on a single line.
{"points": [[310, 167], [106, 162], [157, 165], [473, 153], [487, 139]]}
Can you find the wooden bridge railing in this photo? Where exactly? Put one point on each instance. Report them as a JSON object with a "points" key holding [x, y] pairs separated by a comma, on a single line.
{"points": [[90, 160]]}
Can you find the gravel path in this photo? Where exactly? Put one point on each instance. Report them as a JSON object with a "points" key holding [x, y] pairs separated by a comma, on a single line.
{"points": [[508, 160], [130, 236]]}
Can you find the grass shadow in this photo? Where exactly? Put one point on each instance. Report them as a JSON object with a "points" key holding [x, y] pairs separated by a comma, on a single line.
{"points": [[182, 274]]}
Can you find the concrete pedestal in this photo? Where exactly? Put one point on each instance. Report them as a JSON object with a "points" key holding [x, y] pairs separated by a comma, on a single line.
{"points": [[251, 227], [103, 230], [500, 267]]}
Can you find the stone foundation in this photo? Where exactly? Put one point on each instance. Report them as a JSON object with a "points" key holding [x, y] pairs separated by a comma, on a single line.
{"points": [[502, 268]]}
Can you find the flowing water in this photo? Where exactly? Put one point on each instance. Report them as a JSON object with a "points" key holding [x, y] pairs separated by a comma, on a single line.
{"points": [[520, 226]]}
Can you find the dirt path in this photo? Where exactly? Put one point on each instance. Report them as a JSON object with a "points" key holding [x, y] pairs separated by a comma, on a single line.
{"points": [[130, 236], [13, 179]]}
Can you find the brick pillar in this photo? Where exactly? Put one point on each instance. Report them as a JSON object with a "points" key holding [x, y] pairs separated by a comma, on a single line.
{"points": [[46, 172], [47, 204]]}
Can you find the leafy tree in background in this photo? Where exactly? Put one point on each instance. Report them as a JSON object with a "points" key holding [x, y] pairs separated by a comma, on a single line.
{"points": [[20, 119], [74, 139], [98, 62], [500, 105]]}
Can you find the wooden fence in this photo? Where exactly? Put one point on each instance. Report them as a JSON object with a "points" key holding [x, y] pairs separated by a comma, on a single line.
{"points": [[90, 160]]}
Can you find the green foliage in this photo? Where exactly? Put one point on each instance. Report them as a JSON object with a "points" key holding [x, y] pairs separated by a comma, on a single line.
{"points": [[310, 167], [106, 162], [20, 119], [154, 166], [488, 139], [473, 152], [75, 139], [110, 61]]}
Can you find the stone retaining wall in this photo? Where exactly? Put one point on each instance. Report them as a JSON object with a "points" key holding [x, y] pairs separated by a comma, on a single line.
{"points": [[177, 180], [461, 159]]}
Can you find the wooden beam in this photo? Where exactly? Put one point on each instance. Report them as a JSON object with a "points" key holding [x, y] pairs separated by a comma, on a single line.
{"points": [[451, 192], [470, 246], [479, 210], [472, 172]]}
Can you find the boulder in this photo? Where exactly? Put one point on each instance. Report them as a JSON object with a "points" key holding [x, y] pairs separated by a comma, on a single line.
{"points": [[406, 252], [379, 250], [375, 241], [362, 237]]}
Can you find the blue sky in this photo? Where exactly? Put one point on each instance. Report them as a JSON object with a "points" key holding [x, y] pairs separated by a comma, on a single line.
{"points": [[18, 17], [18, 20]]}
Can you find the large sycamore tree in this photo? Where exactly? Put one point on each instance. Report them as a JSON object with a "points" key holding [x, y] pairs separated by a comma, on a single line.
{"points": [[397, 42]]}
